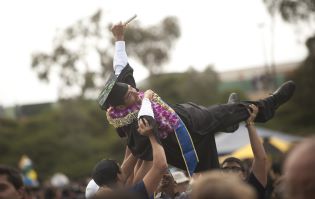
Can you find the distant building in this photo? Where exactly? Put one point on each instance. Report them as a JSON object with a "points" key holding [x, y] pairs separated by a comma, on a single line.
{"points": [[255, 81], [31, 109], [22, 111]]}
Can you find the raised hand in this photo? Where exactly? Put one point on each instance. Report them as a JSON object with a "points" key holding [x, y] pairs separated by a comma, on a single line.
{"points": [[118, 31]]}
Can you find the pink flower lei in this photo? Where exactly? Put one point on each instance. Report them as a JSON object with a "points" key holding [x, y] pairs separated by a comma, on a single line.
{"points": [[166, 118]]}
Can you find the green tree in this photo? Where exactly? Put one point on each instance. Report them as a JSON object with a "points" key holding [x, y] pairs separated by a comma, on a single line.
{"points": [[69, 138], [8, 133], [297, 115], [82, 53], [198, 87]]}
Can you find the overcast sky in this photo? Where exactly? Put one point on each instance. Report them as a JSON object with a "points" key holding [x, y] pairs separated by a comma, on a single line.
{"points": [[225, 33]]}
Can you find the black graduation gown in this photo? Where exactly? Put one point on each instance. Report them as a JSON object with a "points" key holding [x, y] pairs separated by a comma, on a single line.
{"points": [[201, 122]]}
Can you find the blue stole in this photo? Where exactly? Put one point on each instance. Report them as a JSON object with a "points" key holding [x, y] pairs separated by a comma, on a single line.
{"points": [[187, 147]]}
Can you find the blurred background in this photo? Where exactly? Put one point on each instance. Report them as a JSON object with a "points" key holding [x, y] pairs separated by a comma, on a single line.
{"points": [[57, 54]]}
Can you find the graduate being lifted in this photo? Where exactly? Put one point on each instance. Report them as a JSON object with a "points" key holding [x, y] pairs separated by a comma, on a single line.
{"points": [[187, 130]]}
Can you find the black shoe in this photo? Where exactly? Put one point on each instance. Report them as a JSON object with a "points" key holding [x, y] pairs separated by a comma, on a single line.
{"points": [[283, 93], [233, 98]]}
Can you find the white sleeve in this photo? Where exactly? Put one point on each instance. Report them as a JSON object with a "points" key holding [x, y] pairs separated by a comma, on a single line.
{"points": [[120, 57], [91, 189], [146, 108]]}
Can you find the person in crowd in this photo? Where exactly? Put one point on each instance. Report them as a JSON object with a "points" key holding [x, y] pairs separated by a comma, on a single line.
{"points": [[258, 171], [108, 175], [11, 183], [298, 171], [169, 188], [278, 190], [186, 131], [220, 185]]}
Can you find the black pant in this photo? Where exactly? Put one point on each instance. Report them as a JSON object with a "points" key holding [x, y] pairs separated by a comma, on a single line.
{"points": [[217, 118]]}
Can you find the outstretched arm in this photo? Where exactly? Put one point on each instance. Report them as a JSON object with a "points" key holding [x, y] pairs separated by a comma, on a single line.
{"points": [[259, 166], [159, 166]]}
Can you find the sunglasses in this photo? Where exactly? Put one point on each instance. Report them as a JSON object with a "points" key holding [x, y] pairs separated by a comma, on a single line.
{"points": [[233, 169]]}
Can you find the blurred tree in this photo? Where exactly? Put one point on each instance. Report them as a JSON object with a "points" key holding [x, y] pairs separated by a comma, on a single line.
{"points": [[8, 133], [297, 115], [198, 87], [70, 138], [82, 53], [292, 10]]}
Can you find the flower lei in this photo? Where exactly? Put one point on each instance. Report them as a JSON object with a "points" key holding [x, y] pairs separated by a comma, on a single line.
{"points": [[166, 118]]}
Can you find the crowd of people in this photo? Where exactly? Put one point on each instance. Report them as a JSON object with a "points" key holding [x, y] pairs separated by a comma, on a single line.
{"points": [[297, 181], [159, 134]]}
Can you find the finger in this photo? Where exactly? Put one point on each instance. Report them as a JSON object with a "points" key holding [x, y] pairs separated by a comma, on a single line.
{"points": [[249, 111], [142, 127], [255, 109], [140, 123], [144, 121]]}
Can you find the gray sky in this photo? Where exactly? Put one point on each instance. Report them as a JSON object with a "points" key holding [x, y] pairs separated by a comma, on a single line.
{"points": [[224, 33]]}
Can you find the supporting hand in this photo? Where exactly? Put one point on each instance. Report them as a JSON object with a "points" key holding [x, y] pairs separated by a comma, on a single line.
{"points": [[252, 114], [144, 127], [149, 94]]}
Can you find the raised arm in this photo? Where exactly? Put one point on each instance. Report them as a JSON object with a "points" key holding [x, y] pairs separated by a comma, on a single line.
{"points": [[159, 167], [120, 57], [120, 61], [259, 166], [128, 165]]}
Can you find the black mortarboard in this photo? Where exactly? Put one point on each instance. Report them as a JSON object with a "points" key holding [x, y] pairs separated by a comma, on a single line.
{"points": [[113, 93]]}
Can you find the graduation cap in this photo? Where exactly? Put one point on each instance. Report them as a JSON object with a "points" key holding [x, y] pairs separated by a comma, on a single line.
{"points": [[113, 93]]}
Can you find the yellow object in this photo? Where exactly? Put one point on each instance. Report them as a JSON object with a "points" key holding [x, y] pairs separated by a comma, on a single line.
{"points": [[246, 151], [282, 145], [32, 175]]}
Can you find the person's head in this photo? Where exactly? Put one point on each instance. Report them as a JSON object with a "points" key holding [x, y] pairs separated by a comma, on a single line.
{"points": [[122, 95], [234, 165], [182, 181], [299, 175], [220, 185], [11, 183], [167, 185], [107, 173]]}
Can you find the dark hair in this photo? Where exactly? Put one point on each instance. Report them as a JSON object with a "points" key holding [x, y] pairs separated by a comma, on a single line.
{"points": [[105, 173], [116, 96], [13, 176], [236, 160]]}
